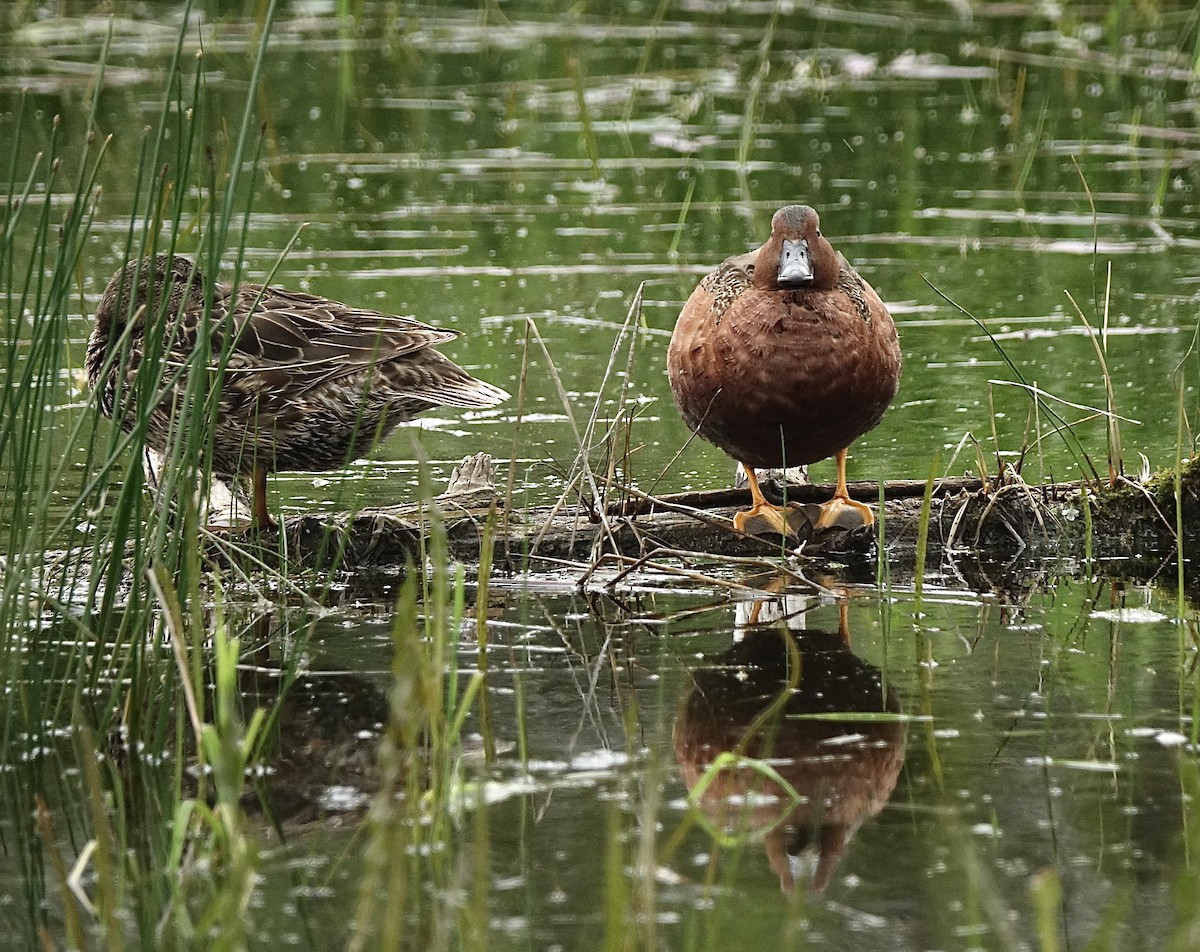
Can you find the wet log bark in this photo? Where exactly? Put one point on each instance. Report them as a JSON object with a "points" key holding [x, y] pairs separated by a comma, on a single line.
{"points": [[998, 522]]}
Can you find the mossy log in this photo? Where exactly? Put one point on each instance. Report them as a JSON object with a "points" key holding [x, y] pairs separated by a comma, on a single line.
{"points": [[997, 521]]}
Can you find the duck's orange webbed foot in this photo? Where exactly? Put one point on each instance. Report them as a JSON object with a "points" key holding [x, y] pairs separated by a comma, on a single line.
{"points": [[767, 517], [764, 516], [842, 512]]}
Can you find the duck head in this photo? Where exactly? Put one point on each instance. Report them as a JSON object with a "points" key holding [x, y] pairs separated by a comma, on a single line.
{"points": [[133, 293], [796, 256], [136, 290]]}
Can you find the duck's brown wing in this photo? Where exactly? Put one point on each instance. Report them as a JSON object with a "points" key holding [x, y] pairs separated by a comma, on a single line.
{"points": [[274, 326], [854, 287], [728, 282], [312, 335], [692, 356], [277, 347], [313, 342]]}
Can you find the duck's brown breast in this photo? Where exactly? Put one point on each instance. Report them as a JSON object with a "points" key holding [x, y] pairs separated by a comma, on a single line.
{"points": [[784, 377]]}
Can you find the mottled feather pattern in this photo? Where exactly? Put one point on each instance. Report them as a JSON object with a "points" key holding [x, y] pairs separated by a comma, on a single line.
{"points": [[854, 287], [730, 279], [305, 383]]}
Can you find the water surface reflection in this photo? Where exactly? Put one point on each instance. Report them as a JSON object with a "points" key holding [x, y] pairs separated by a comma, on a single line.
{"points": [[815, 714]]}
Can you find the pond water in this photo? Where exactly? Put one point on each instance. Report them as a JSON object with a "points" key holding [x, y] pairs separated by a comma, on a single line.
{"points": [[485, 166], [1003, 735]]}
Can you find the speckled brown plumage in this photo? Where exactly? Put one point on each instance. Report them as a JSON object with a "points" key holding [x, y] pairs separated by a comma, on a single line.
{"points": [[784, 372], [726, 284], [305, 384]]}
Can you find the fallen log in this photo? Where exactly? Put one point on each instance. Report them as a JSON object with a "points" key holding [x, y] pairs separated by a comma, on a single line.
{"points": [[1000, 521], [1001, 535]]}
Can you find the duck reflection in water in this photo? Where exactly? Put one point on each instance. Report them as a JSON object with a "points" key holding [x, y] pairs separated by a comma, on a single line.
{"points": [[758, 699]]}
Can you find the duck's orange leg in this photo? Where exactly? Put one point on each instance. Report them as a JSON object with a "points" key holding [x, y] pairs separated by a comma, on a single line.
{"points": [[830, 511], [774, 516], [262, 516]]}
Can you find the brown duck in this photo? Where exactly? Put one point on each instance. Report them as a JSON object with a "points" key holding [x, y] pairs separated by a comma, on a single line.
{"points": [[785, 356], [305, 384]]}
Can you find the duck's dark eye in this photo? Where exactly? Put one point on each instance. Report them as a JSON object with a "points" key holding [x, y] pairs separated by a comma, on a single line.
{"points": [[818, 232]]}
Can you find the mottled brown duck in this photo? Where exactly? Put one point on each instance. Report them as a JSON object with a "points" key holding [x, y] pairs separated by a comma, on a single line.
{"points": [[784, 356], [305, 383]]}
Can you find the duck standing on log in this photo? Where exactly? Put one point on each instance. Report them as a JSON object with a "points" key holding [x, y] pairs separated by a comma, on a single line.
{"points": [[785, 356], [305, 383]]}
